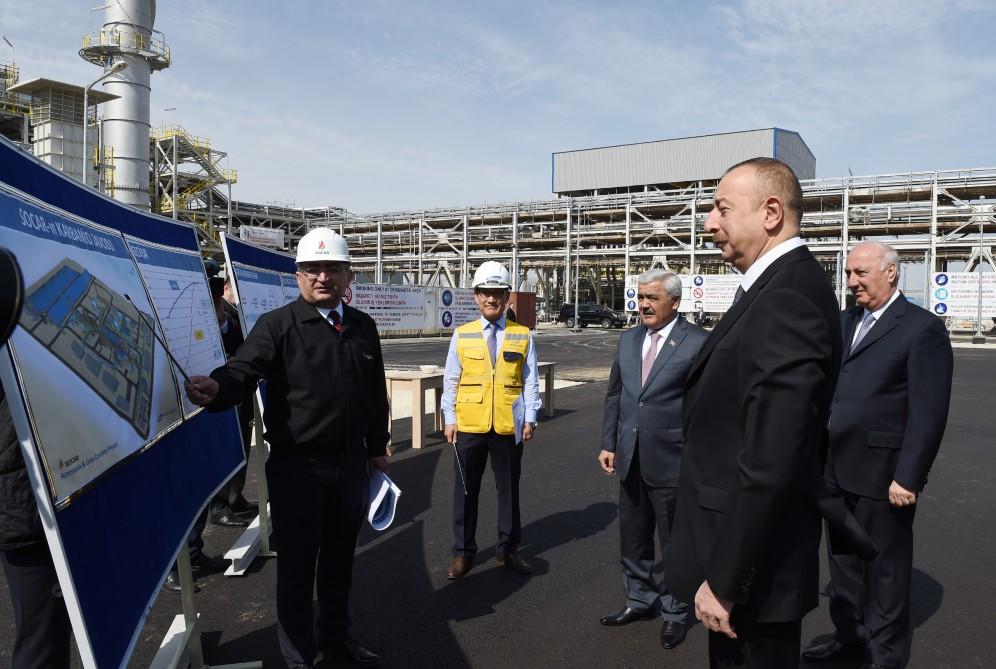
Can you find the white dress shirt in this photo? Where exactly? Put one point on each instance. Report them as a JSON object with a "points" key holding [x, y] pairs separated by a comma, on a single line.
{"points": [[665, 332], [754, 272]]}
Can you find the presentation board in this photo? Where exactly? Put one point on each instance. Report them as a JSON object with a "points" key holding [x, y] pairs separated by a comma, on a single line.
{"points": [[263, 279], [119, 470], [85, 350], [181, 296]]}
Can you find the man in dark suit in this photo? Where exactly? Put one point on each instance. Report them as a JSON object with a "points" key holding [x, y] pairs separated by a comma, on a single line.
{"points": [[641, 442], [746, 535], [887, 421]]}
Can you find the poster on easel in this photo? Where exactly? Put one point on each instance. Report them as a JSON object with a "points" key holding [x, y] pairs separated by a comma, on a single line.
{"points": [[95, 398], [85, 351]]}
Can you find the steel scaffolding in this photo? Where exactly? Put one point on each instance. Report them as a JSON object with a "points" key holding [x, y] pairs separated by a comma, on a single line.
{"points": [[930, 217], [187, 178]]}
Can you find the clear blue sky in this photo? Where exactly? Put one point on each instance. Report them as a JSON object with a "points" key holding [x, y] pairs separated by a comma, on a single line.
{"points": [[378, 106]]}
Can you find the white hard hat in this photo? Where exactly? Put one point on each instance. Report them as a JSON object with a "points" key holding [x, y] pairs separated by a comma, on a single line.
{"points": [[492, 274], [322, 244]]}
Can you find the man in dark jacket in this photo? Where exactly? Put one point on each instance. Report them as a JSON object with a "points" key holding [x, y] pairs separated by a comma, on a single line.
{"points": [[326, 415], [889, 414], [746, 536], [42, 635], [641, 444]]}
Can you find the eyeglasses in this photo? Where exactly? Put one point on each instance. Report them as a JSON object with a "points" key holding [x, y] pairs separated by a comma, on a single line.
{"points": [[315, 273], [493, 293]]}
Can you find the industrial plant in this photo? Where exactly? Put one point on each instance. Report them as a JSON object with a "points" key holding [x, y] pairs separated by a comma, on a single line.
{"points": [[613, 211]]}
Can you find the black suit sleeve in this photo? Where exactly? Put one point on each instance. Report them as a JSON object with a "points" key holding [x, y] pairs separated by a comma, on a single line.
{"points": [[783, 367], [610, 417], [377, 434], [929, 369], [238, 378]]}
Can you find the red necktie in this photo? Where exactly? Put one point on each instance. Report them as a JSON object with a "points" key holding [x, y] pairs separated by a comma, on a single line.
{"points": [[336, 321]]}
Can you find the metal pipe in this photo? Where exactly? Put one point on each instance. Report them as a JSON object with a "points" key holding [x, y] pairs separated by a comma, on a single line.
{"points": [[126, 36], [114, 69]]}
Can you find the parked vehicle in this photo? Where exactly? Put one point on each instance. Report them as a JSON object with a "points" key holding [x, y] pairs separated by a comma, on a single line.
{"points": [[588, 314]]}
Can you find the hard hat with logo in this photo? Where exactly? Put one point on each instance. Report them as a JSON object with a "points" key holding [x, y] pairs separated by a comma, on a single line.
{"points": [[492, 274], [322, 244]]}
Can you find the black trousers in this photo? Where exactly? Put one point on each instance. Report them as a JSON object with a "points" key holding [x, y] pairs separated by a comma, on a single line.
{"points": [[644, 509], [870, 601], [317, 507], [506, 464], [757, 646], [229, 499], [43, 633]]}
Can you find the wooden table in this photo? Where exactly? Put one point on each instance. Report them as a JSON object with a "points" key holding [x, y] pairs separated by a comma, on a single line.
{"points": [[416, 382]]}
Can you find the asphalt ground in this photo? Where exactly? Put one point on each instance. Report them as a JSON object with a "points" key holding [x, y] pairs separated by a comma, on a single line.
{"points": [[405, 609]]}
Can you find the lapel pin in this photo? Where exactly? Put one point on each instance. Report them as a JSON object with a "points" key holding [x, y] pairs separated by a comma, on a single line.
{"points": [[671, 342]]}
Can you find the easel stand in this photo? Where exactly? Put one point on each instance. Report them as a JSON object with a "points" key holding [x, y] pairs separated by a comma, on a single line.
{"points": [[181, 648], [255, 540]]}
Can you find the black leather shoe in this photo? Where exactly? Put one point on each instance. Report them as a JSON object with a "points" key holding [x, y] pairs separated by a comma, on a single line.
{"points": [[205, 564], [172, 583], [627, 615], [515, 562], [351, 650], [833, 650], [242, 505], [672, 634], [233, 519]]}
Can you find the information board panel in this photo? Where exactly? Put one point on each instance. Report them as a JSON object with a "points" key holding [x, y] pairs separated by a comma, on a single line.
{"points": [[182, 300], [632, 289], [456, 306], [393, 308], [956, 294], [264, 279], [714, 293], [102, 542], [85, 349]]}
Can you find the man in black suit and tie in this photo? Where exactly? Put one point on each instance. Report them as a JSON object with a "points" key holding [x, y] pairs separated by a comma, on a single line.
{"points": [[746, 535], [641, 442], [888, 417]]}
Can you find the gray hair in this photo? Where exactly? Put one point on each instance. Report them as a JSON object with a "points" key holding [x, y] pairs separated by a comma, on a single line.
{"points": [[672, 284], [888, 255]]}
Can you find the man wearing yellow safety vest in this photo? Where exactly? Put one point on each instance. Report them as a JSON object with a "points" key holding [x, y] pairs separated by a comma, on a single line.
{"points": [[490, 403]]}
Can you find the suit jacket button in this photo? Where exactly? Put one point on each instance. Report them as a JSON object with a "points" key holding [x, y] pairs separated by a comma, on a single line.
{"points": [[641, 404], [635, 429]]}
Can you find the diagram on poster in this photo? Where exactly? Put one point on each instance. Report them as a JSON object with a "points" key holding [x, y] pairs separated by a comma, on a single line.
{"points": [[97, 385], [182, 299], [259, 291], [291, 291]]}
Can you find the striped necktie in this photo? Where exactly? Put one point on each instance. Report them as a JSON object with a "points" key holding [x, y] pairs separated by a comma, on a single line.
{"points": [[866, 324], [336, 320]]}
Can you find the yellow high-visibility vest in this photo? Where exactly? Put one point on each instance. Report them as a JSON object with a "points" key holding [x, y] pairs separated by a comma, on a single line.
{"points": [[485, 393]]}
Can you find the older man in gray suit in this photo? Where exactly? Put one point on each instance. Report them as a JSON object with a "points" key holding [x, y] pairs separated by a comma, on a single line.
{"points": [[641, 443]]}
